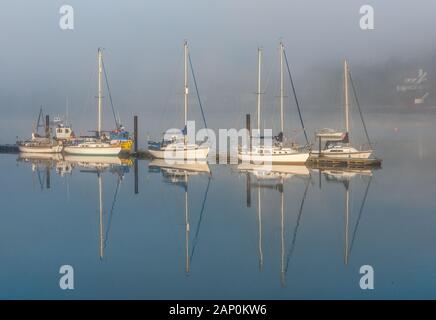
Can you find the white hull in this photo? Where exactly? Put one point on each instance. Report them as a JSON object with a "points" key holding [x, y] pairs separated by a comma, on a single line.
{"points": [[347, 154], [275, 158], [40, 149], [86, 160], [93, 150], [199, 153]]}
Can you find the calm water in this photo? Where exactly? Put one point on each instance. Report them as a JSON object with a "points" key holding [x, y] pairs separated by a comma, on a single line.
{"points": [[139, 246]]}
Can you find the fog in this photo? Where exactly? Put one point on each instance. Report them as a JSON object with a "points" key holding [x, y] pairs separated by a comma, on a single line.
{"points": [[40, 64]]}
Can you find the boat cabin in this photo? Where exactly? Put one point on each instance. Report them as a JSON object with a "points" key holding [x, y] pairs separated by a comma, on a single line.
{"points": [[63, 132], [332, 139]]}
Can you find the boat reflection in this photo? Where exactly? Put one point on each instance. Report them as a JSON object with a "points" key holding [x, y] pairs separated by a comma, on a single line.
{"points": [[65, 165], [274, 177], [178, 173], [345, 177]]}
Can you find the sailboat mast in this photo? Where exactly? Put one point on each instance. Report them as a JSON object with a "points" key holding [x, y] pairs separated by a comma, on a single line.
{"points": [[186, 90], [100, 88], [281, 88], [259, 66], [346, 97]]}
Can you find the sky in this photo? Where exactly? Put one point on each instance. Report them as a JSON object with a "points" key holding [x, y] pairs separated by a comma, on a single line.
{"points": [[40, 64]]}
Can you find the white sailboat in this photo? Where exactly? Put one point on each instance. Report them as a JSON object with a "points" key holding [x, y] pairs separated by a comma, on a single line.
{"points": [[278, 153], [97, 145], [177, 147], [337, 143]]}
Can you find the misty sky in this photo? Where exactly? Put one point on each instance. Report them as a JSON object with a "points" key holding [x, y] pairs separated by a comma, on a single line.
{"points": [[40, 64]]}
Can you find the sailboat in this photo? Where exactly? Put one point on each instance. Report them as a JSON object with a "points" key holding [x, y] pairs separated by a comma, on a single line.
{"points": [[177, 147], [337, 143], [278, 153], [98, 145], [40, 143]]}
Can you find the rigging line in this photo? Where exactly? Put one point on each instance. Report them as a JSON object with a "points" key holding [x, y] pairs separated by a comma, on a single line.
{"points": [[360, 110], [199, 220], [109, 223], [196, 90], [360, 213], [295, 96], [117, 124], [300, 212]]}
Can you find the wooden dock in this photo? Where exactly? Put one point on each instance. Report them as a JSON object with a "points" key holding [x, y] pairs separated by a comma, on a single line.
{"points": [[349, 163], [9, 148]]}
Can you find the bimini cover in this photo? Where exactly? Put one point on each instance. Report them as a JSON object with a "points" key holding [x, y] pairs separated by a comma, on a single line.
{"points": [[332, 135]]}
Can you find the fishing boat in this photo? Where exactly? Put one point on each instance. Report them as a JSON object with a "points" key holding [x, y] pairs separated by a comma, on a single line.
{"points": [[40, 143], [278, 152], [177, 147], [336, 143], [98, 145]]}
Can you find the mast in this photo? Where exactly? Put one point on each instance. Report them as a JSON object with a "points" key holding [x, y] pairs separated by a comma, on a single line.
{"points": [[346, 98], [186, 90], [100, 89], [100, 202], [281, 88], [259, 65]]}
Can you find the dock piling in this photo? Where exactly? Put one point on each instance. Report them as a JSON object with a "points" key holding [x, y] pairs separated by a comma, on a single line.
{"points": [[47, 126], [135, 133]]}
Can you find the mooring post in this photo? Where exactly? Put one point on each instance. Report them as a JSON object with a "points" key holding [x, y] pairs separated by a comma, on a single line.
{"points": [[135, 133], [248, 126], [47, 126], [320, 153], [136, 176]]}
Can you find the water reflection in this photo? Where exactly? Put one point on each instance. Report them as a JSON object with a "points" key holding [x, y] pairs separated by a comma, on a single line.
{"points": [[178, 173], [65, 164], [274, 177], [284, 197], [345, 177]]}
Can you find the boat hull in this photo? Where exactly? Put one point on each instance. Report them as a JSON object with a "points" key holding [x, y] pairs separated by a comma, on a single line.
{"points": [[345, 155], [187, 154], [40, 149], [93, 151]]}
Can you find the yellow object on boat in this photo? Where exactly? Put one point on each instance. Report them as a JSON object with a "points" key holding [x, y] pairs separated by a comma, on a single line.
{"points": [[126, 145]]}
